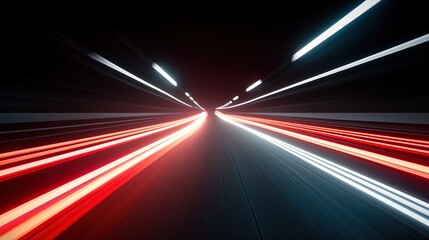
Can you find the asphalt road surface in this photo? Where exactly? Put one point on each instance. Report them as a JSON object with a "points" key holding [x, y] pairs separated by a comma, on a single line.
{"points": [[226, 183]]}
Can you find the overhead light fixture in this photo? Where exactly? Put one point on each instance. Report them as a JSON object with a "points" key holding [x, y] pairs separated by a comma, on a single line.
{"points": [[111, 65], [164, 74], [387, 52], [235, 98], [195, 102], [359, 10], [255, 84], [187, 94]]}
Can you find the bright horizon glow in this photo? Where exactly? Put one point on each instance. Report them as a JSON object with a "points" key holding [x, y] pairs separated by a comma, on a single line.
{"points": [[164, 74], [235, 98], [359, 10], [370, 58], [255, 84]]}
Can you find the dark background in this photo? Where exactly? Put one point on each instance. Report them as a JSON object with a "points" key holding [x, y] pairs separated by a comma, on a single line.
{"points": [[214, 53], [222, 182]]}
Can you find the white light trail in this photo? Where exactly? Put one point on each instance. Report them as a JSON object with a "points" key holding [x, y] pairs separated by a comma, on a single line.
{"points": [[195, 102], [107, 63], [226, 104], [359, 10], [235, 98], [405, 203], [164, 74], [255, 84], [370, 58]]}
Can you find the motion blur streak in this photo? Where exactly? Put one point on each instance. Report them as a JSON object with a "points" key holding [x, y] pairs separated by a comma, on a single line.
{"points": [[33, 166], [358, 137], [106, 62], [255, 84], [195, 102], [28, 216], [359, 10], [164, 74], [58, 147], [413, 168], [405, 203], [370, 58]]}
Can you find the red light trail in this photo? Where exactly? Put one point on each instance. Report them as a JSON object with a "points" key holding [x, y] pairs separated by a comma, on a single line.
{"points": [[213, 123], [400, 164], [23, 219], [110, 140], [401, 201]]}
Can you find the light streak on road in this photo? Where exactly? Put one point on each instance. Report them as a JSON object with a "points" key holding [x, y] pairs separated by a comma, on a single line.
{"points": [[36, 165], [21, 220], [390, 143], [406, 166], [28, 153], [403, 202], [398, 48]]}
